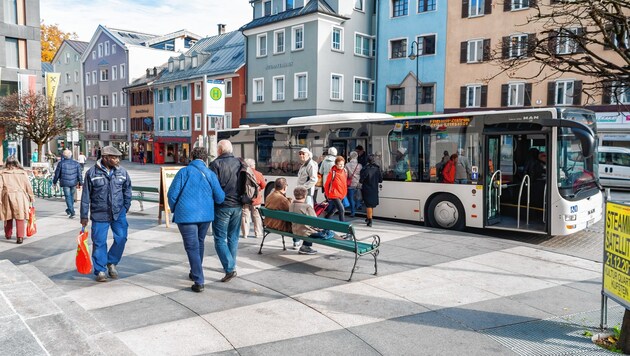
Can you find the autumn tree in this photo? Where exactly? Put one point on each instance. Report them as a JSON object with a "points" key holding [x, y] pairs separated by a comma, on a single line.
{"points": [[52, 38], [583, 37], [33, 116]]}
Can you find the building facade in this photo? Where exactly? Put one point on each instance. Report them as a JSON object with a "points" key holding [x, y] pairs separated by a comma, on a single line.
{"points": [[141, 116], [411, 46], [309, 58]]}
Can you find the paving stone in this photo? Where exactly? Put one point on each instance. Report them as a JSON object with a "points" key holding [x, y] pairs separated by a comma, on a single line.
{"points": [[28, 300], [60, 336], [109, 344], [9, 274], [17, 339], [41, 280]]}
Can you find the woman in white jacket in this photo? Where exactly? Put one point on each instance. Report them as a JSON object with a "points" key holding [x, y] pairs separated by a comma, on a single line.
{"points": [[353, 167]]}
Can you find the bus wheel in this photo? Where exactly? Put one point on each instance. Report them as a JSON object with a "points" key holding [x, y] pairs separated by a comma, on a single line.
{"points": [[446, 212]]}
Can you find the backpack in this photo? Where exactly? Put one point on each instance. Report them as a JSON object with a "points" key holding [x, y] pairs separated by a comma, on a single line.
{"points": [[249, 185]]}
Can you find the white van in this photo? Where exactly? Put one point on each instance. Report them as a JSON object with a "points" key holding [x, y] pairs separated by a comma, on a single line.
{"points": [[614, 166]]}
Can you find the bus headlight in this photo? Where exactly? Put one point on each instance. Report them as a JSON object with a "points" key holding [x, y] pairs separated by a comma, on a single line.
{"points": [[570, 217]]}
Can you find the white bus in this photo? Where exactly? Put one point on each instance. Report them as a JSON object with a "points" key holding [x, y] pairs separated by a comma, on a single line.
{"points": [[499, 192]]}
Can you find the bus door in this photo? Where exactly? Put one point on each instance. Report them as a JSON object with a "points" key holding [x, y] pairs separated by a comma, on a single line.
{"points": [[493, 180]]}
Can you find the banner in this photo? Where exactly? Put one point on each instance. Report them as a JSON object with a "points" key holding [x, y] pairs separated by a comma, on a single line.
{"points": [[616, 280], [52, 82], [27, 83]]}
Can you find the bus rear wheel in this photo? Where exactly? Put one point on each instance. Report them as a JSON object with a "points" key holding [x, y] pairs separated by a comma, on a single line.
{"points": [[446, 212]]}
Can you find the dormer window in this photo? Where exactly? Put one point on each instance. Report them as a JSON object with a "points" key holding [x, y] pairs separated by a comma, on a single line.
{"points": [[194, 61], [170, 67], [181, 64]]}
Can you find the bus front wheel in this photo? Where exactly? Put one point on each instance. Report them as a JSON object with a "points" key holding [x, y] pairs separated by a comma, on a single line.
{"points": [[446, 212]]}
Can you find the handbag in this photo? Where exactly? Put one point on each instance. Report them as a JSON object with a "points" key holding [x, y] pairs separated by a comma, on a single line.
{"points": [[31, 227], [320, 179], [352, 175], [83, 260]]}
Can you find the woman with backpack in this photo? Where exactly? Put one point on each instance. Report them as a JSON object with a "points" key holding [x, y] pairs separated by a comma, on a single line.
{"points": [[336, 188], [353, 168]]}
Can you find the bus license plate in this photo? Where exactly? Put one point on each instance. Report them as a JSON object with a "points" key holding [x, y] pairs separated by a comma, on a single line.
{"points": [[590, 222]]}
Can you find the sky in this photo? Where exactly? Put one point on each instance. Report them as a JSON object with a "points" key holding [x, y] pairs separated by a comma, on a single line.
{"points": [[150, 16]]}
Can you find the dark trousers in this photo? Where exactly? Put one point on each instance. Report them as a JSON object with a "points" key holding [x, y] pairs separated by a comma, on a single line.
{"points": [[337, 205]]}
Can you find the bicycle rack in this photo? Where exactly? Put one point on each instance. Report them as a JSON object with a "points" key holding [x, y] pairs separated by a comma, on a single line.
{"points": [[520, 193]]}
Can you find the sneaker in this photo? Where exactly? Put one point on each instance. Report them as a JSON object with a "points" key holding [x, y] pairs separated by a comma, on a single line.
{"points": [[306, 250], [197, 288], [71, 216], [111, 270], [228, 276], [296, 244], [67, 211], [190, 276], [101, 277]]}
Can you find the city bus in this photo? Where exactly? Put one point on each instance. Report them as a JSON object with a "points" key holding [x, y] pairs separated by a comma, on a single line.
{"points": [[499, 192]]}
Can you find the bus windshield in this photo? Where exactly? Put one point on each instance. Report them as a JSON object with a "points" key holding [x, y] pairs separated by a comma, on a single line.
{"points": [[575, 171]]}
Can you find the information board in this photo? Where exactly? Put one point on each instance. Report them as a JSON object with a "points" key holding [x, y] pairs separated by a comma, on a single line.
{"points": [[167, 175], [616, 280]]}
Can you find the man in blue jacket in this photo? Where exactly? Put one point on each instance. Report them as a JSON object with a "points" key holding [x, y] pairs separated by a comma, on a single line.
{"points": [[107, 197], [69, 174]]}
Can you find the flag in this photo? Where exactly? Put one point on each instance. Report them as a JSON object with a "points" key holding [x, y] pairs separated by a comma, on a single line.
{"points": [[27, 82], [52, 82]]}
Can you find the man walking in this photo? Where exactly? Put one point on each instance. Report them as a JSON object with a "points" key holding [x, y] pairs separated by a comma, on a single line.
{"points": [[307, 174], [69, 173], [107, 197], [227, 215], [82, 159]]}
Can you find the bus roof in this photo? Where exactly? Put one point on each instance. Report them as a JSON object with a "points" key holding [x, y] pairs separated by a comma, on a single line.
{"points": [[332, 118]]}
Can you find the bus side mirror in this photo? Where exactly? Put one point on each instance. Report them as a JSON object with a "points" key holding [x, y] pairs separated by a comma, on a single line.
{"points": [[586, 139]]}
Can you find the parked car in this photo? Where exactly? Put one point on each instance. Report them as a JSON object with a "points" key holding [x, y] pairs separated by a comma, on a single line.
{"points": [[614, 166]]}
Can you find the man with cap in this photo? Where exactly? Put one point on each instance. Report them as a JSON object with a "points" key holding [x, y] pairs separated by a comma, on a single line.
{"points": [[107, 197], [307, 175], [69, 174]]}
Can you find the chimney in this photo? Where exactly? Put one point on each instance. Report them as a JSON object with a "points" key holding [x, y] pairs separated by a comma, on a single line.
{"points": [[221, 28], [155, 71], [148, 72]]}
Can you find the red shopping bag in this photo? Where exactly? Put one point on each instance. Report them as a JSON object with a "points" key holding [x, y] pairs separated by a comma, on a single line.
{"points": [[320, 207], [83, 259], [31, 227]]}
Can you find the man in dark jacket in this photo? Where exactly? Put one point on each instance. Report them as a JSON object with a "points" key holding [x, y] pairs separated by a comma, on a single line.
{"points": [[227, 215], [107, 197], [69, 174]]}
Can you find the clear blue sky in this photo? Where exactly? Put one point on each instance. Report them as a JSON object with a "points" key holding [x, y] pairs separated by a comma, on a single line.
{"points": [[151, 16]]}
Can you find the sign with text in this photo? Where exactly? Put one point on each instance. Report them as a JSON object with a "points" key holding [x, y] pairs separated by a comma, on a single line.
{"points": [[167, 175], [616, 281], [214, 98]]}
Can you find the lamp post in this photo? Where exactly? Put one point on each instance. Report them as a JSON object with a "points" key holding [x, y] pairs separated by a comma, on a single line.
{"points": [[413, 55]]}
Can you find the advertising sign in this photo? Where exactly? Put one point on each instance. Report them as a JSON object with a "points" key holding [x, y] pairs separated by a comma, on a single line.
{"points": [[167, 174], [214, 98], [616, 281]]}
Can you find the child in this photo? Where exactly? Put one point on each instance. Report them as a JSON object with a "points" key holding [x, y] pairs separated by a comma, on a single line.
{"points": [[300, 206]]}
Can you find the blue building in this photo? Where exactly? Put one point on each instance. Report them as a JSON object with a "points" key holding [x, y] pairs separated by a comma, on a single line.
{"points": [[416, 28]]}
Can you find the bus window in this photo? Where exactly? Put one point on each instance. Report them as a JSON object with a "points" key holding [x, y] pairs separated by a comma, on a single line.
{"points": [[273, 151], [404, 154]]}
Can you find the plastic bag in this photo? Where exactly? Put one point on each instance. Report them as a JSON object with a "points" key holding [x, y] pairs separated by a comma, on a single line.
{"points": [[31, 227], [83, 259]]}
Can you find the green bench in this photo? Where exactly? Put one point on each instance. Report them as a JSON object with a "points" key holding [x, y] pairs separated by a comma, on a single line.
{"points": [[142, 194], [358, 248]]}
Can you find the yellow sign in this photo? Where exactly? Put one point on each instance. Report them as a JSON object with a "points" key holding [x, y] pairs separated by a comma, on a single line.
{"points": [[167, 175], [617, 253], [215, 93]]}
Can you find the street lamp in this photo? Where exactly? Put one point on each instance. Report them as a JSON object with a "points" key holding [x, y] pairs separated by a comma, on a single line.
{"points": [[413, 55]]}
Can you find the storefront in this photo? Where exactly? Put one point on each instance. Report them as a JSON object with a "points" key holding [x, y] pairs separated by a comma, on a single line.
{"points": [[121, 143], [173, 150], [613, 129], [92, 144], [142, 143]]}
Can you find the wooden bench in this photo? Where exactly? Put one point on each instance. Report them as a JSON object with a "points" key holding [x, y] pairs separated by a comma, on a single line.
{"points": [[358, 248], [142, 194]]}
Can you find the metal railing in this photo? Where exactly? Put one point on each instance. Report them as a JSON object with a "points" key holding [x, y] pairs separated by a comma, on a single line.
{"points": [[520, 193], [44, 188], [498, 195]]}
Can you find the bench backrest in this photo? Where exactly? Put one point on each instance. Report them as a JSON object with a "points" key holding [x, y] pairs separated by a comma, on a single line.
{"points": [[145, 189], [333, 225]]}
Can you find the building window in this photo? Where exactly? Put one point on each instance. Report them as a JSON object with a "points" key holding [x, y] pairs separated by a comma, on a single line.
{"points": [[100, 50], [473, 96], [185, 92], [518, 46], [519, 4], [426, 45], [337, 39], [279, 42], [170, 67], [160, 96], [267, 8], [227, 120], [170, 92], [426, 5], [278, 88], [114, 125], [566, 42], [425, 95], [475, 8], [93, 54], [87, 126], [113, 48], [94, 102], [185, 124], [261, 45], [171, 123], [259, 87], [104, 125], [67, 78], [67, 58], [398, 49], [298, 38], [228, 88], [288, 5], [160, 123], [12, 52], [87, 79], [475, 51], [122, 71], [301, 86], [107, 51], [94, 77], [104, 75], [400, 8], [361, 90], [123, 124], [397, 96], [182, 64], [77, 100], [195, 61], [197, 121], [620, 93], [114, 72], [114, 99], [336, 87], [358, 5], [76, 76], [10, 12], [516, 94], [88, 103], [197, 91], [565, 92], [104, 101], [364, 45]]}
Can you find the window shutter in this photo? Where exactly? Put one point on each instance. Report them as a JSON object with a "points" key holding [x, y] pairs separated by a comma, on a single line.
{"points": [[507, 5], [577, 92], [607, 88], [188, 122], [161, 124], [488, 7], [531, 44], [486, 50], [463, 54], [484, 96], [551, 93], [528, 95], [504, 94], [464, 8], [505, 48], [462, 97], [580, 40], [551, 42], [181, 120]]}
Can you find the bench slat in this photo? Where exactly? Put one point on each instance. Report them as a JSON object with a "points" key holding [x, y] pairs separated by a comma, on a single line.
{"points": [[334, 225], [346, 245]]}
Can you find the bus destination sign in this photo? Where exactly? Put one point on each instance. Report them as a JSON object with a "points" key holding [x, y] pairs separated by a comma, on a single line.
{"points": [[616, 284]]}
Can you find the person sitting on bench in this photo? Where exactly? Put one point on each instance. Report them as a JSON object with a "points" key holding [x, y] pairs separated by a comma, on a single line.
{"points": [[277, 200], [300, 206]]}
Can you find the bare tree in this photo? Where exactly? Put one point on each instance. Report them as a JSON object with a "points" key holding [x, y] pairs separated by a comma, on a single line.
{"points": [[583, 37], [33, 116]]}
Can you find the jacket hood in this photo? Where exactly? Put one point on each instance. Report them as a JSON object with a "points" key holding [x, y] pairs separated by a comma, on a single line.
{"points": [[330, 159]]}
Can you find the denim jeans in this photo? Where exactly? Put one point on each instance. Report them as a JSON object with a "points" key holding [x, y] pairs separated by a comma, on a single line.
{"points": [[353, 203], [226, 228], [194, 236], [461, 181], [100, 256], [69, 192], [337, 205]]}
